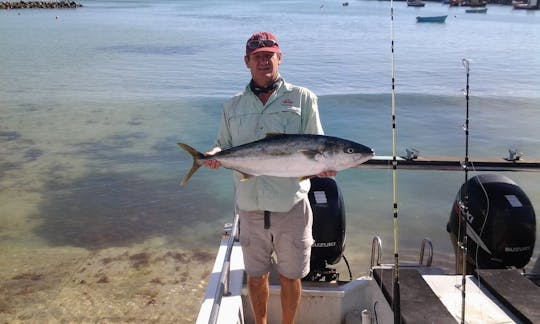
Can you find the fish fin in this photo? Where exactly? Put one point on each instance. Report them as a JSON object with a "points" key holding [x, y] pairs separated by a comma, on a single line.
{"points": [[245, 176], [311, 154], [196, 155], [270, 135]]}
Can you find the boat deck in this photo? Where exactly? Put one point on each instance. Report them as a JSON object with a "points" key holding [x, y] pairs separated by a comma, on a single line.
{"points": [[516, 292], [427, 295], [437, 298], [419, 304], [327, 302]]}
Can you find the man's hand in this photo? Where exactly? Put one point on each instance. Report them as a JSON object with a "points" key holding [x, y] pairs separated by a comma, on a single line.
{"points": [[211, 163], [327, 174]]}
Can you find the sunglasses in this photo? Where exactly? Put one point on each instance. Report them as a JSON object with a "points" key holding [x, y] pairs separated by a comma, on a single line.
{"points": [[258, 43]]}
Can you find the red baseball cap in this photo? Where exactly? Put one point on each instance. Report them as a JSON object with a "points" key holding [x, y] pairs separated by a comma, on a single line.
{"points": [[262, 42]]}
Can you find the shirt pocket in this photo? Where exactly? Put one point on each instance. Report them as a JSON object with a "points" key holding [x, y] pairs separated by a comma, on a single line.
{"points": [[286, 120], [243, 128]]}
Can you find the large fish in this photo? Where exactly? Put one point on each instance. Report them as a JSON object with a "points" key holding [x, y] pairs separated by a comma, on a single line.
{"points": [[286, 155]]}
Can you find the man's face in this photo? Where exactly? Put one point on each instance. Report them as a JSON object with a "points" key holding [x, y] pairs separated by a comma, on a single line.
{"points": [[264, 66]]}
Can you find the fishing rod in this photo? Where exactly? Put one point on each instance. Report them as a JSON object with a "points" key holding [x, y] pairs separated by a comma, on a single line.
{"points": [[466, 64], [464, 208], [396, 304]]}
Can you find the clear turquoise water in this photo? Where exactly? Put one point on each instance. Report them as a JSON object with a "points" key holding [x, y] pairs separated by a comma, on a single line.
{"points": [[94, 100]]}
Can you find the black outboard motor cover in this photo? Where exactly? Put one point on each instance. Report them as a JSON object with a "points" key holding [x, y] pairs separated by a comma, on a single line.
{"points": [[501, 229], [328, 222]]}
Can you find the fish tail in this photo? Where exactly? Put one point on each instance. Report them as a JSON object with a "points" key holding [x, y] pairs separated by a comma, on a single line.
{"points": [[196, 155]]}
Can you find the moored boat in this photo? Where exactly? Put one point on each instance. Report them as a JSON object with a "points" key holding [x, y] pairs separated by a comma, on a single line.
{"points": [[528, 4], [476, 10], [468, 3], [432, 19], [415, 3]]}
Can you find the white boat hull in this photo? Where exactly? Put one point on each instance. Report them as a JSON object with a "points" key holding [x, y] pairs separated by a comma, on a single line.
{"points": [[345, 302], [330, 303], [321, 302]]}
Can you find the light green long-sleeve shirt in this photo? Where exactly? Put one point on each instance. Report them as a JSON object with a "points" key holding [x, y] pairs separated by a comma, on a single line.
{"points": [[290, 109]]}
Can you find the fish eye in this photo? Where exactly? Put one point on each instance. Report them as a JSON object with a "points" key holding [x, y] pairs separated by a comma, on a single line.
{"points": [[349, 150]]}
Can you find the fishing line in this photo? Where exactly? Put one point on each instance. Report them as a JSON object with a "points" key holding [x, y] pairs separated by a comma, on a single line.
{"points": [[486, 215], [396, 294], [480, 234]]}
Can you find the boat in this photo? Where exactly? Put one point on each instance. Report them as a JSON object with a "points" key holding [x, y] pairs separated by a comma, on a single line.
{"points": [[468, 3], [528, 5], [415, 3], [476, 3], [476, 10], [427, 294], [431, 19]]}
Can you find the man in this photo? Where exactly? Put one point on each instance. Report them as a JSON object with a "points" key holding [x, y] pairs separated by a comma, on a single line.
{"points": [[275, 214]]}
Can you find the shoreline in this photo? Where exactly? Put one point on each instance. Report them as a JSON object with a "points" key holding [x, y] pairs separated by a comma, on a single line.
{"points": [[39, 5]]}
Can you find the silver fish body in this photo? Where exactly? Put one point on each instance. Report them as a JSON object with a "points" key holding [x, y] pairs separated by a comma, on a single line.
{"points": [[287, 155]]}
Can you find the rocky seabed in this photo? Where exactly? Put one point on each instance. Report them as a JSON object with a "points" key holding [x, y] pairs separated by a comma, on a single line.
{"points": [[39, 5]]}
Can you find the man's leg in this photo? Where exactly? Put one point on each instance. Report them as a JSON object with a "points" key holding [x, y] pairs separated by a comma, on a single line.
{"points": [[259, 291], [291, 291]]}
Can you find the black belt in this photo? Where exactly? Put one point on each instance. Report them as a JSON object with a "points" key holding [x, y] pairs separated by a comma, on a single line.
{"points": [[266, 219]]}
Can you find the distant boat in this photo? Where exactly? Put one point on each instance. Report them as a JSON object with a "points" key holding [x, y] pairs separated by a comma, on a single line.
{"points": [[476, 10], [477, 3], [530, 4], [415, 3], [432, 19], [468, 3]]}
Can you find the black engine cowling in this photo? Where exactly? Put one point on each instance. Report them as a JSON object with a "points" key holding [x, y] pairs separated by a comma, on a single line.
{"points": [[501, 223], [328, 209]]}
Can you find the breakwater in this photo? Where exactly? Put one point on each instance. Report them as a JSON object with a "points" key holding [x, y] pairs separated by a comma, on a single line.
{"points": [[39, 5]]}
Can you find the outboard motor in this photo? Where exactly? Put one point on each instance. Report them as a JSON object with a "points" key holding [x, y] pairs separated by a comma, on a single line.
{"points": [[501, 223], [328, 228]]}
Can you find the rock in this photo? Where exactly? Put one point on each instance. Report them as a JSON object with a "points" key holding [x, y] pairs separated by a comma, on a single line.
{"points": [[39, 5]]}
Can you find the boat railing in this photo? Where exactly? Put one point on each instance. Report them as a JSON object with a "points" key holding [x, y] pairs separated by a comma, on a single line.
{"points": [[223, 290], [376, 253]]}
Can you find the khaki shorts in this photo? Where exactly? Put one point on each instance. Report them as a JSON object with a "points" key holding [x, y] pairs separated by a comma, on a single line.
{"points": [[289, 237]]}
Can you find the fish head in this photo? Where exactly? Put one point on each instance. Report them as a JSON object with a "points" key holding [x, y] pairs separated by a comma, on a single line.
{"points": [[350, 154], [359, 152]]}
